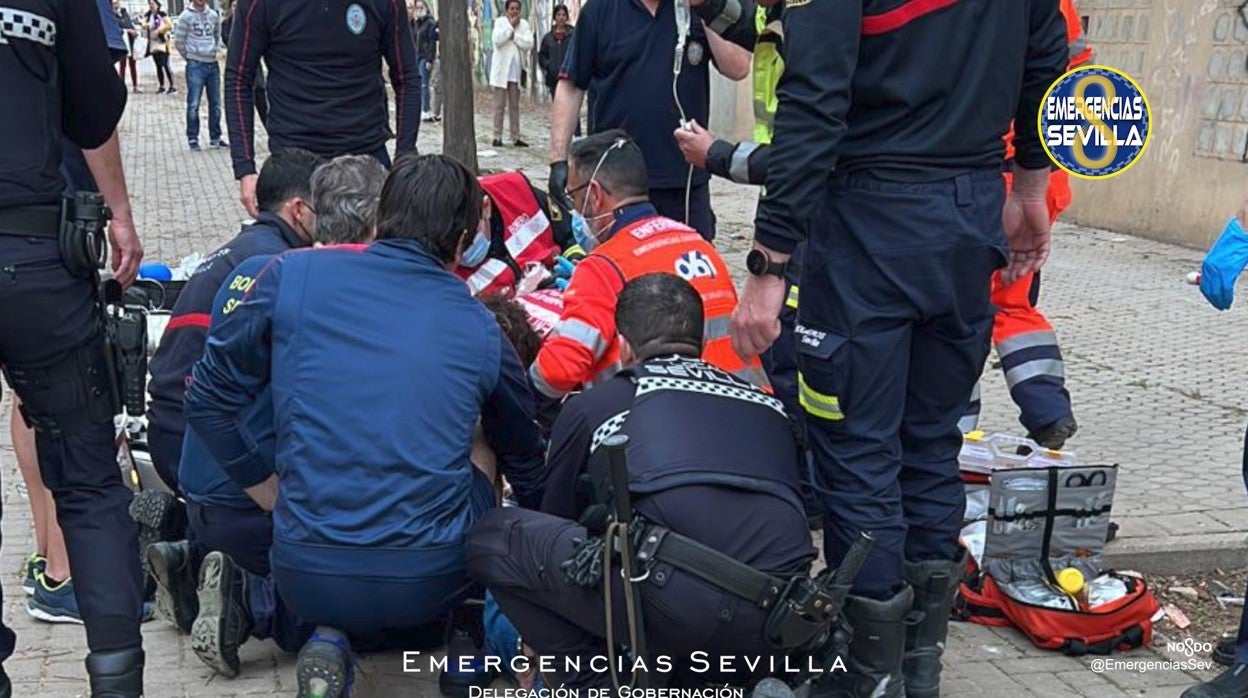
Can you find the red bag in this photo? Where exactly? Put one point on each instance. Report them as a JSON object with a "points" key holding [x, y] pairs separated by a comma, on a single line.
{"points": [[1119, 625]]}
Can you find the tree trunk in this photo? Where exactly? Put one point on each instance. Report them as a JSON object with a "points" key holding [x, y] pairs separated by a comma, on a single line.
{"points": [[459, 139]]}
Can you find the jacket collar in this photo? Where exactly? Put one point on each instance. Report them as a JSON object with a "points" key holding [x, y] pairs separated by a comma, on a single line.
{"points": [[405, 248], [630, 214], [288, 233]]}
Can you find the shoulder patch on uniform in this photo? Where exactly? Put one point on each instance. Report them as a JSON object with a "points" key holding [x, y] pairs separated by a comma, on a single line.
{"points": [[356, 19]]}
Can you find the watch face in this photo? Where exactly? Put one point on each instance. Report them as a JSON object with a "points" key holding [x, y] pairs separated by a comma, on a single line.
{"points": [[756, 262]]}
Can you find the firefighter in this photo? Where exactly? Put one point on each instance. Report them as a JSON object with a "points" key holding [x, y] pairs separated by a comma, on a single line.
{"points": [[625, 238], [901, 203]]}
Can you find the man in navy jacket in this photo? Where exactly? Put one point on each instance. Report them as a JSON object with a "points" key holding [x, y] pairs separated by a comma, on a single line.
{"points": [[379, 364]]}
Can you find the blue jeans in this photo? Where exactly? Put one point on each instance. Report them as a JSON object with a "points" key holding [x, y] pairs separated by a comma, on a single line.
{"points": [[201, 75], [423, 65]]}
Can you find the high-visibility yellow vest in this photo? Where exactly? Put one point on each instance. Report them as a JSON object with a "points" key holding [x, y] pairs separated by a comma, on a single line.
{"points": [[768, 67]]}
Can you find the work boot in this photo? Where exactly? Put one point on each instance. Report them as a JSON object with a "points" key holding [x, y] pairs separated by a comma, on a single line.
{"points": [[224, 620], [1232, 683], [1054, 436], [176, 597], [935, 583], [116, 674], [873, 662]]}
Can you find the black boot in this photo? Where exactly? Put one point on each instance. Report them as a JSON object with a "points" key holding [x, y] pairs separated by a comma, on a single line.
{"points": [[224, 621], [935, 583], [1232, 683], [873, 662], [116, 674], [176, 581]]}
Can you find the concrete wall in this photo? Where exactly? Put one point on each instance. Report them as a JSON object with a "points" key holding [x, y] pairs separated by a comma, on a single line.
{"points": [[1189, 57]]}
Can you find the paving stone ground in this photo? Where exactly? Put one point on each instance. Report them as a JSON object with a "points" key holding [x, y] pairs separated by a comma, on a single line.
{"points": [[1156, 375]]}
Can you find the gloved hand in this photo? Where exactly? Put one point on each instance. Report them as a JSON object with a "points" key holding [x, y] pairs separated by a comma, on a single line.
{"points": [[557, 185], [564, 267], [1223, 265]]}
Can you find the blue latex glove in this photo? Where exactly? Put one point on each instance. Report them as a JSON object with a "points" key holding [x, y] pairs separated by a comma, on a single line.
{"points": [[561, 284], [564, 267], [1223, 265]]}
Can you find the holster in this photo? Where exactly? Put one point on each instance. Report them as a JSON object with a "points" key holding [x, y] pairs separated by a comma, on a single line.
{"points": [[69, 395]]}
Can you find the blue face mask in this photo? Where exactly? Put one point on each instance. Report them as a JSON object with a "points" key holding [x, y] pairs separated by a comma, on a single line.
{"points": [[582, 234], [475, 253]]}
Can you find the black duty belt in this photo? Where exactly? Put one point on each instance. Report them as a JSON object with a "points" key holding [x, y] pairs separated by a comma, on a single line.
{"points": [[711, 566], [31, 221]]}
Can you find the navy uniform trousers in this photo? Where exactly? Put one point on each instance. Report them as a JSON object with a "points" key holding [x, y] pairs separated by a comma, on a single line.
{"points": [[517, 553], [893, 330], [46, 316]]}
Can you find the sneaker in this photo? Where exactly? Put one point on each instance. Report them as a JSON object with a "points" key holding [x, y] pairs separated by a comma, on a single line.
{"points": [[1232, 683], [176, 596], [497, 143], [35, 565], [454, 683], [220, 143], [161, 91], [173, 91], [54, 603], [194, 147], [520, 144], [425, 116], [224, 619], [324, 668]]}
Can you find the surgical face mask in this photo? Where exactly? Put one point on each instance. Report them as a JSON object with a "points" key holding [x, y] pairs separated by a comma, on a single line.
{"points": [[580, 231], [421, 14], [474, 254]]}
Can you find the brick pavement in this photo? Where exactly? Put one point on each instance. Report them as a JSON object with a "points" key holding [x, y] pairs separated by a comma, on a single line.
{"points": [[1146, 361]]}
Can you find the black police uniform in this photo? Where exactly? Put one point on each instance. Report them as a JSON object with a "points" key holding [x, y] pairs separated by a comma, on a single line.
{"points": [[56, 76], [702, 443]]}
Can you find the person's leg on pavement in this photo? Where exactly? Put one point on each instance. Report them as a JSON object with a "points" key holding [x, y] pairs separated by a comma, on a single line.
{"points": [[134, 73], [213, 83], [49, 329], [513, 104], [425, 88], [195, 84], [435, 104], [47, 570], [500, 106]]}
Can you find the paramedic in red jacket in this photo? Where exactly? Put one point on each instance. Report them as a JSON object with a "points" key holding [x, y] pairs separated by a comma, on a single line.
{"points": [[626, 238]]}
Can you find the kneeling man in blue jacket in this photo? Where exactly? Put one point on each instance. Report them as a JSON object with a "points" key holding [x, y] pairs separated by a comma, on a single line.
{"points": [[379, 365]]}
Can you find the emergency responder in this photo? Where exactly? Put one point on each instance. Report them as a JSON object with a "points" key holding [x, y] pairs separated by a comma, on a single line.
{"points": [[717, 442], [52, 346], [325, 93], [1222, 267], [285, 221], [381, 484], [746, 163], [1026, 344], [610, 189], [1025, 341], [220, 516], [620, 80], [902, 203]]}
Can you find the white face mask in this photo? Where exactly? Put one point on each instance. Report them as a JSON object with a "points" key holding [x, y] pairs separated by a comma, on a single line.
{"points": [[421, 14]]}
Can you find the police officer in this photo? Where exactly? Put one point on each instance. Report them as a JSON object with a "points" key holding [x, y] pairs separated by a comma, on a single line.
{"points": [[907, 201], [717, 443], [51, 339]]}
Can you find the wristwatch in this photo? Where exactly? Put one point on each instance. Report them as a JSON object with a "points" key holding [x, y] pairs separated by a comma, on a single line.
{"points": [[759, 264]]}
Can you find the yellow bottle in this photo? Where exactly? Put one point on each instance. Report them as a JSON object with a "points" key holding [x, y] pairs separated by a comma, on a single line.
{"points": [[1071, 581]]}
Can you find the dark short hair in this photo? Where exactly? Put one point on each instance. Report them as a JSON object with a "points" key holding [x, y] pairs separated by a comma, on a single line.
{"points": [[430, 198], [558, 9], [514, 322], [656, 311], [507, 5], [622, 172], [286, 175]]}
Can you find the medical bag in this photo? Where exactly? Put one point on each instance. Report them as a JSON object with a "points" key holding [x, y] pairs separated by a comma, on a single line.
{"points": [[1036, 519]]}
